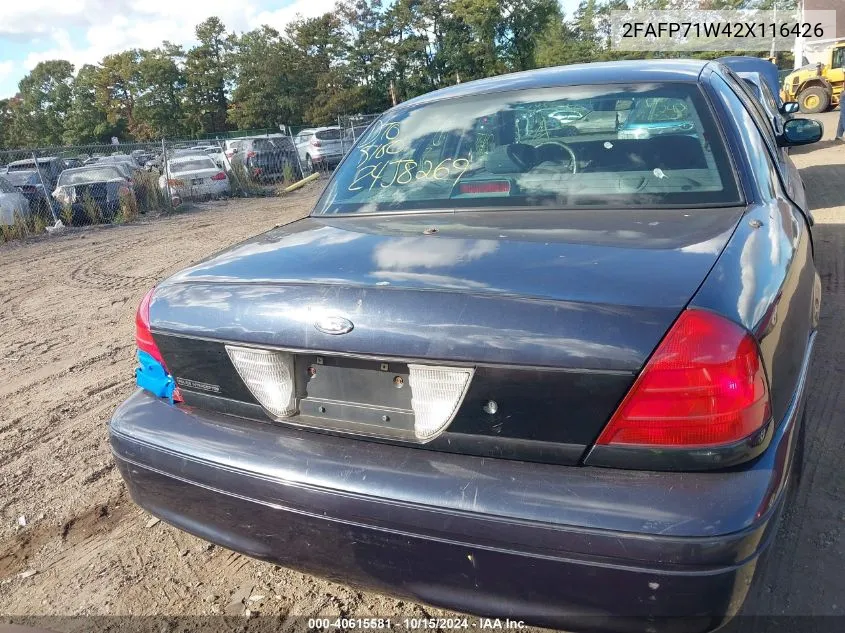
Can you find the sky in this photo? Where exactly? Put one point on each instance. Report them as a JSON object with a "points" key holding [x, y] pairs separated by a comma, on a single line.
{"points": [[84, 31]]}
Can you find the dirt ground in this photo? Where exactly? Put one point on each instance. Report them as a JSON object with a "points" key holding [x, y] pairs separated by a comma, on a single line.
{"points": [[71, 541]]}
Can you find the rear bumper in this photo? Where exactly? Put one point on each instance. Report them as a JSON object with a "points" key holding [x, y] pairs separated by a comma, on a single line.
{"points": [[569, 547]]}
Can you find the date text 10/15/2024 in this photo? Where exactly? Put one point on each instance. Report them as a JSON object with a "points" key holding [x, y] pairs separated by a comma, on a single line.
{"points": [[325, 624]]}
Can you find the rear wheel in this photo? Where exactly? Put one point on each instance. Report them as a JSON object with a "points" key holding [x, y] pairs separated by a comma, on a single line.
{"points": [[813, 99]]}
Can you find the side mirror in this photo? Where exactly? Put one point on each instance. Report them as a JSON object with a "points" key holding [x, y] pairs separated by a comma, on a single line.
{"points": [[800, 132], [790, 107]]}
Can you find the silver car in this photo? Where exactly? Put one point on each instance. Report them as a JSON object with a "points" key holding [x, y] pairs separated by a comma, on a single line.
{"points": [[319, 147]]}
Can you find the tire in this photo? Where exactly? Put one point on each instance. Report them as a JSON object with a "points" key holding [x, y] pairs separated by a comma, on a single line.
{"points": [[818, 98]]}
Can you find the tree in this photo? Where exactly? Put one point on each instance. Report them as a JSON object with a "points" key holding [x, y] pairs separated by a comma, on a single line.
{"points": [[523, 22], [324, 79], [483, 18], [118, 88], [268, 92], [206, 67], [158, 109], [11, 136], [87, 120], [45, 95]]}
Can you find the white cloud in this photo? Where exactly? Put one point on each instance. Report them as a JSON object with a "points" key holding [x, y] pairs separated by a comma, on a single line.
{"points": [[6, 69], [84, 31]]}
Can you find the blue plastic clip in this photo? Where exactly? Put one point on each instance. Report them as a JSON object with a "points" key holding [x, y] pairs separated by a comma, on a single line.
{"points": [[152, 376]]}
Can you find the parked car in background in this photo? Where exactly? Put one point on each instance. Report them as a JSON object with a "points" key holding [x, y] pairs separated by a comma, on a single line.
{"points": [[49, 167], [560, 381], [216, 153], [350, 137], [759, 89], [584, 120], [265, 159], [301, 140], [192, 176], [126, 168], [765, 78], [35, 184], [101, 185], [319, 148], [13, 204], [141, 156], [651, 117]]}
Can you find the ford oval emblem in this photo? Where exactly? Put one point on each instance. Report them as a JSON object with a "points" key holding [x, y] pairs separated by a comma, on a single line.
{"points": [[333, 324]]}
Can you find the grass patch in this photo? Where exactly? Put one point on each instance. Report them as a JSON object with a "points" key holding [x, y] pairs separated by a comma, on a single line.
{"points": [[128, 207], [91, 209], [148, 194], [17, 230]]}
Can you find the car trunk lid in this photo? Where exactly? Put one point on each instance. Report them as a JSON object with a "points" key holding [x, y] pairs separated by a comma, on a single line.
{"points": [[554, 312]]}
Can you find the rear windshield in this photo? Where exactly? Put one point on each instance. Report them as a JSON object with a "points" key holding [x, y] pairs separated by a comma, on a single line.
{"points": [[98, 174], [638, 145], [328, 135], [192, 165]]}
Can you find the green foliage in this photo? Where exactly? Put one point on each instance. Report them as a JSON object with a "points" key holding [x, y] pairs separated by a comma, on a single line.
{"points": [[206, 68], [66, 215], [91, 209]]}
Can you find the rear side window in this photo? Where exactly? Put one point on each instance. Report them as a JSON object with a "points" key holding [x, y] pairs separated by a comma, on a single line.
{"points": [[611, 146], [328, 135]]}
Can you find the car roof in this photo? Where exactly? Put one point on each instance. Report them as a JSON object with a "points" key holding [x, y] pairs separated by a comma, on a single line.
{"points": [[597, 73], [41, 159]]}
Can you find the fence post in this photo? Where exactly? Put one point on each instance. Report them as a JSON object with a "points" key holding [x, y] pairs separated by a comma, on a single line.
{"points": [[48, 197], [164, 171], [295, 152]]}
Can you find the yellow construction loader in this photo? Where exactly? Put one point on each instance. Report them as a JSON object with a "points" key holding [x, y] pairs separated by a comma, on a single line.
{"points": [[818, 86]]}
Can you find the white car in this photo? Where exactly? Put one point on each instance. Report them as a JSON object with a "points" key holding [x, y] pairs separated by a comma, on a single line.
{"points": [[216, 153], [12, 202], [195, 175]]}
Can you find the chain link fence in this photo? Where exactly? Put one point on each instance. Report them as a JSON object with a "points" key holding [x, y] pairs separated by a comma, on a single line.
{"points": [[114, 183]]}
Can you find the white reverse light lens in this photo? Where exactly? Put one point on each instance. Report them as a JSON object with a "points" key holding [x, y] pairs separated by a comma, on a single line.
{"points": [[436, 394], [269, 376]]}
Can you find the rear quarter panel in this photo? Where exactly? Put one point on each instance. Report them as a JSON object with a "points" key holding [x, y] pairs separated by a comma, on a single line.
{"points": [[766, 277]]}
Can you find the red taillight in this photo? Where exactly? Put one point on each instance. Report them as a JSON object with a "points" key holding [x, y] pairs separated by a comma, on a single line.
{"points": [[250, 154], [219, 176], [497, 186], [315, 143], [143, 337], [704, 386]]}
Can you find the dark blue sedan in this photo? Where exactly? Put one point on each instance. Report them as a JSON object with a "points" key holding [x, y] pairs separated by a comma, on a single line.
{"points": [[499, 369]]}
